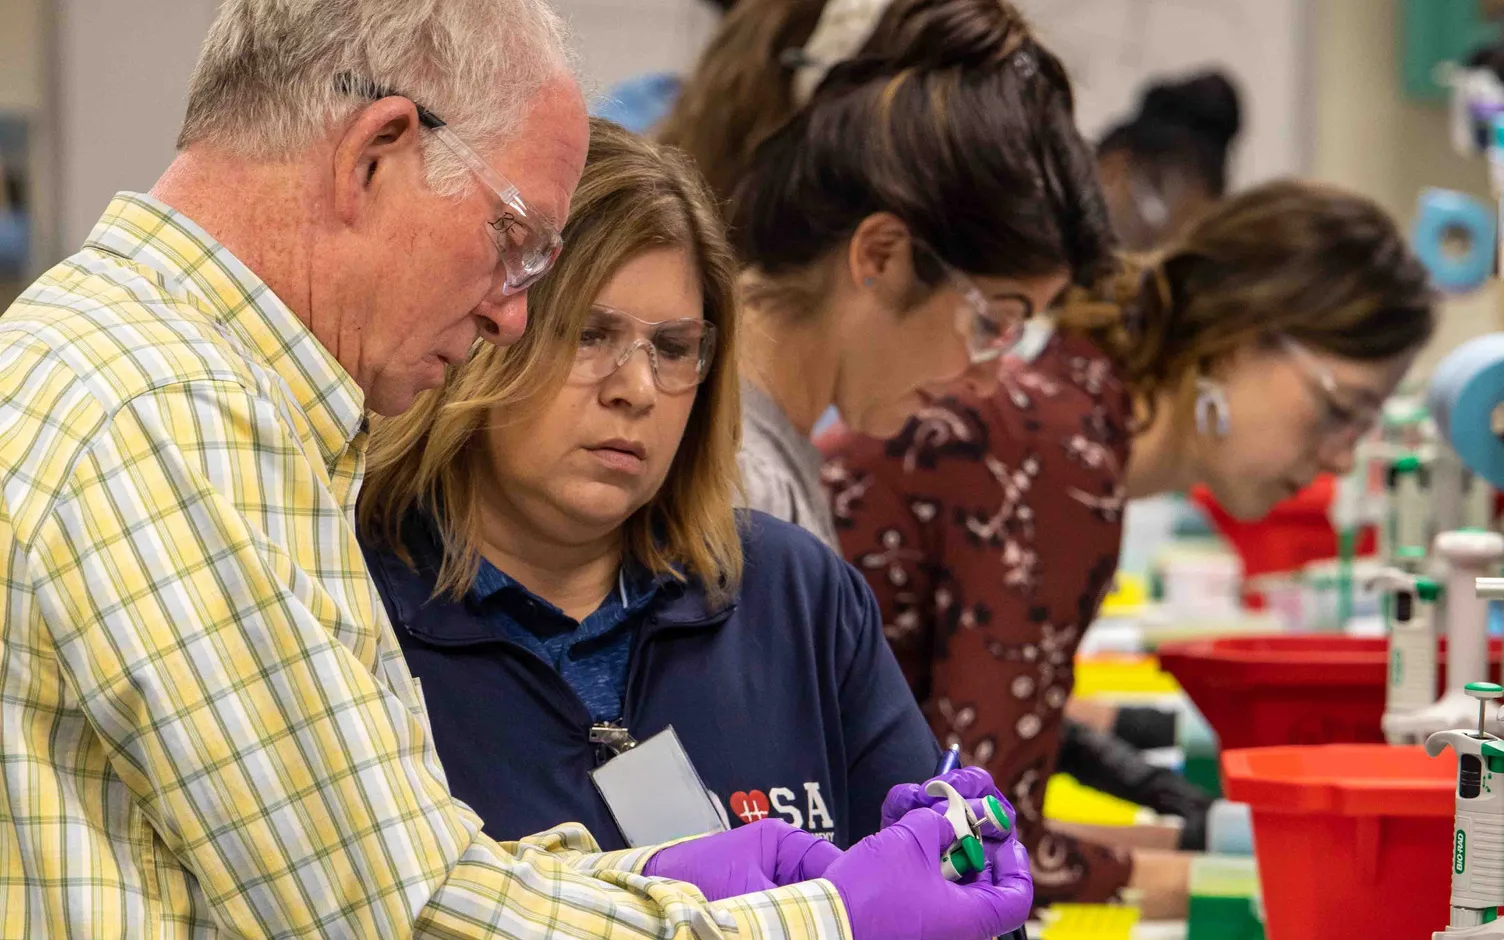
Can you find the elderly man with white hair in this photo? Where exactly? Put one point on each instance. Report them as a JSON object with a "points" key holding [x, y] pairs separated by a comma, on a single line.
{"points": [[206, 724]]}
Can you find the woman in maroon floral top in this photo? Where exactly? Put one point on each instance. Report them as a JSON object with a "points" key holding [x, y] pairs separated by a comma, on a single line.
{"points": [[1249, 356]]}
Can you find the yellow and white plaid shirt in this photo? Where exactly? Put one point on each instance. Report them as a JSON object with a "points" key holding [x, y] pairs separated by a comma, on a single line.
{"points": [[206, 725]]}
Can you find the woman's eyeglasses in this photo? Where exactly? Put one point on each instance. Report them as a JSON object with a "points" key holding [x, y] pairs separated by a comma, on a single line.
{"points": [[990, 325], [679, 351], [1341, 425]]}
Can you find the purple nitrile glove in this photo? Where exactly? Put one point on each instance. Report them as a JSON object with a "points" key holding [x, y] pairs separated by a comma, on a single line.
{"points": [[975, 784], [763, 855], [893, 889]]}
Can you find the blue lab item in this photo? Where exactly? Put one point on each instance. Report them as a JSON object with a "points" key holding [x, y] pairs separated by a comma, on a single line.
{"points": [[826, 421], [1465, 388], [639, 103], [950, 760], [1442, 212], [789, 703], [15, 242], [1229, 829]]}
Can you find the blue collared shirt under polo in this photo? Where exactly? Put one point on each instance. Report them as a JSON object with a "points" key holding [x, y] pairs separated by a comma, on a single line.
{"points": [[590, 654]]}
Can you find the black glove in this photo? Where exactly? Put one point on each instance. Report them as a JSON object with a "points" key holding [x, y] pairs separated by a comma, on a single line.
{"points": [[1104, 762], [1145, 727]]}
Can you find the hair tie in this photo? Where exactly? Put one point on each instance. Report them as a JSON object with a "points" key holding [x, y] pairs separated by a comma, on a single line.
{"points": [[843, 29], [1025, 62], [1135, 316]]}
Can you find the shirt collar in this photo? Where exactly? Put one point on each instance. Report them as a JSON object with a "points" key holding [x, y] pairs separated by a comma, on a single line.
{"points": [[637, 582], [156, 236], [409, 592], [759, 408], [686, 600]]}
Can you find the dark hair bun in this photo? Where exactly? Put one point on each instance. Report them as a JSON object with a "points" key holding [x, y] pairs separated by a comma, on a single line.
{"points": [[1206, 103]]}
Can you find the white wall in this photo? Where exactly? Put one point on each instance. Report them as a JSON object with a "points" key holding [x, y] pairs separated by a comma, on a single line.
{"points": [[1370, 137], [123, 72], [21, 76], [617, 39], [1114, 48]]}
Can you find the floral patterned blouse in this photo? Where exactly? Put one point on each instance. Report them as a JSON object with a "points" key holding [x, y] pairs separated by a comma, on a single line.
{"points": [[989, 530]]}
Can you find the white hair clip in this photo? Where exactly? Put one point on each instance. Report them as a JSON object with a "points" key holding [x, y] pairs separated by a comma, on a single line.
{"points": [[844, 28], [1023, 60]]}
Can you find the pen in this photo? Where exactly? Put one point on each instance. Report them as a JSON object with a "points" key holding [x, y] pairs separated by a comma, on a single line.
{"points": [[951, 760]]}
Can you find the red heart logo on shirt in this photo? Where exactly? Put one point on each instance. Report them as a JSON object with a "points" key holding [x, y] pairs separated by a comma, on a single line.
{"points": [[750, 807]]}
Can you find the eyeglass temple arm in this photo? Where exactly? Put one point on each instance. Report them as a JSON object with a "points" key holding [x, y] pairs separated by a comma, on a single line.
{"points": [[508, 192], [352, 84]]}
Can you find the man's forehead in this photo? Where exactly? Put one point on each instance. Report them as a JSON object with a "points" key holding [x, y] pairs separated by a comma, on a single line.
{"points": [[546, 157]]}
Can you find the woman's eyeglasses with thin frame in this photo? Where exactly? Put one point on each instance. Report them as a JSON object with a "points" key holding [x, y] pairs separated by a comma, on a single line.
{"points": [[990, 325], [1342, 425]]}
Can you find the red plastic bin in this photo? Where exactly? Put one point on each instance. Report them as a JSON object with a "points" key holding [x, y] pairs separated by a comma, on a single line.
{"points": [[1262, 691], [1297, 531], [1354, 841]]}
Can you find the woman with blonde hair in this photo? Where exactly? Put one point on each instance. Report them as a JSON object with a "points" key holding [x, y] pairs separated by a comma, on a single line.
{"points": [[553, 533]]}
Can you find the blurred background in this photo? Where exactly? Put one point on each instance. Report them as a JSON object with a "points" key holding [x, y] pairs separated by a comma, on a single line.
{"points": [[1342, 90], [1356, 92]]}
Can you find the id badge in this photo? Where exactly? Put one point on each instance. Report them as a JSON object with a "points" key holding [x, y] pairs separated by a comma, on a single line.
{"points": [[654, 793]]}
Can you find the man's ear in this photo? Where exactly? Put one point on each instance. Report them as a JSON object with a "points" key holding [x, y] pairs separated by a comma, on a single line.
{"points": [[383, 137]]}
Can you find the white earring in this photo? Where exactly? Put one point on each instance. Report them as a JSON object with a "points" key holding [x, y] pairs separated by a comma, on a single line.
{"points": [[1213, 416]]}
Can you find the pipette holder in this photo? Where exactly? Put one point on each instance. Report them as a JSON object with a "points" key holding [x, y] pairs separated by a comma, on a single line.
{"points": [[1411, 678], [1478, 833], [1468, 556]]}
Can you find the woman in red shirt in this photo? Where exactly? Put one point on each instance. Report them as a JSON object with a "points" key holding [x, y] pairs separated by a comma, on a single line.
{"points": [[1250, 356]]}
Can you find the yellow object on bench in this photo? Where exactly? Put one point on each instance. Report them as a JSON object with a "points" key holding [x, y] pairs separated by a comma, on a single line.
{"points": [[1089, 922], [1129, 595], [1122, 676], [1066, 800]]}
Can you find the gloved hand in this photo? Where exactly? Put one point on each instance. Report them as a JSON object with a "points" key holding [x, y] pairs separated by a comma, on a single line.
{"points": [[893, 889], [1107, 763], [763, 855], [976, 785]]}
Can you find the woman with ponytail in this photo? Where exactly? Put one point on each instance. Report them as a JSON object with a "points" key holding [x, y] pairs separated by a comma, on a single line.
{"points": [[905, 187], [1249, 355]]}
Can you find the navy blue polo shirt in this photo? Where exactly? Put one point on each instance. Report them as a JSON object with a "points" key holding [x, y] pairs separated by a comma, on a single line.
{"points": [[591, 654], [787, 700]]}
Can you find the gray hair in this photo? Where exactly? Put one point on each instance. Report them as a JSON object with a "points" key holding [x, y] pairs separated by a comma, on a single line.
{"points": [[265, 84]]}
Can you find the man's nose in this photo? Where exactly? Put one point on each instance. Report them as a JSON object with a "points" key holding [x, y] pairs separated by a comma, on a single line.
{"points": [[504, 320]]}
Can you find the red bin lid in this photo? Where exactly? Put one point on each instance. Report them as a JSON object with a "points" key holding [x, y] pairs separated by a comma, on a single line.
{"points": [[1342, 780]]}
